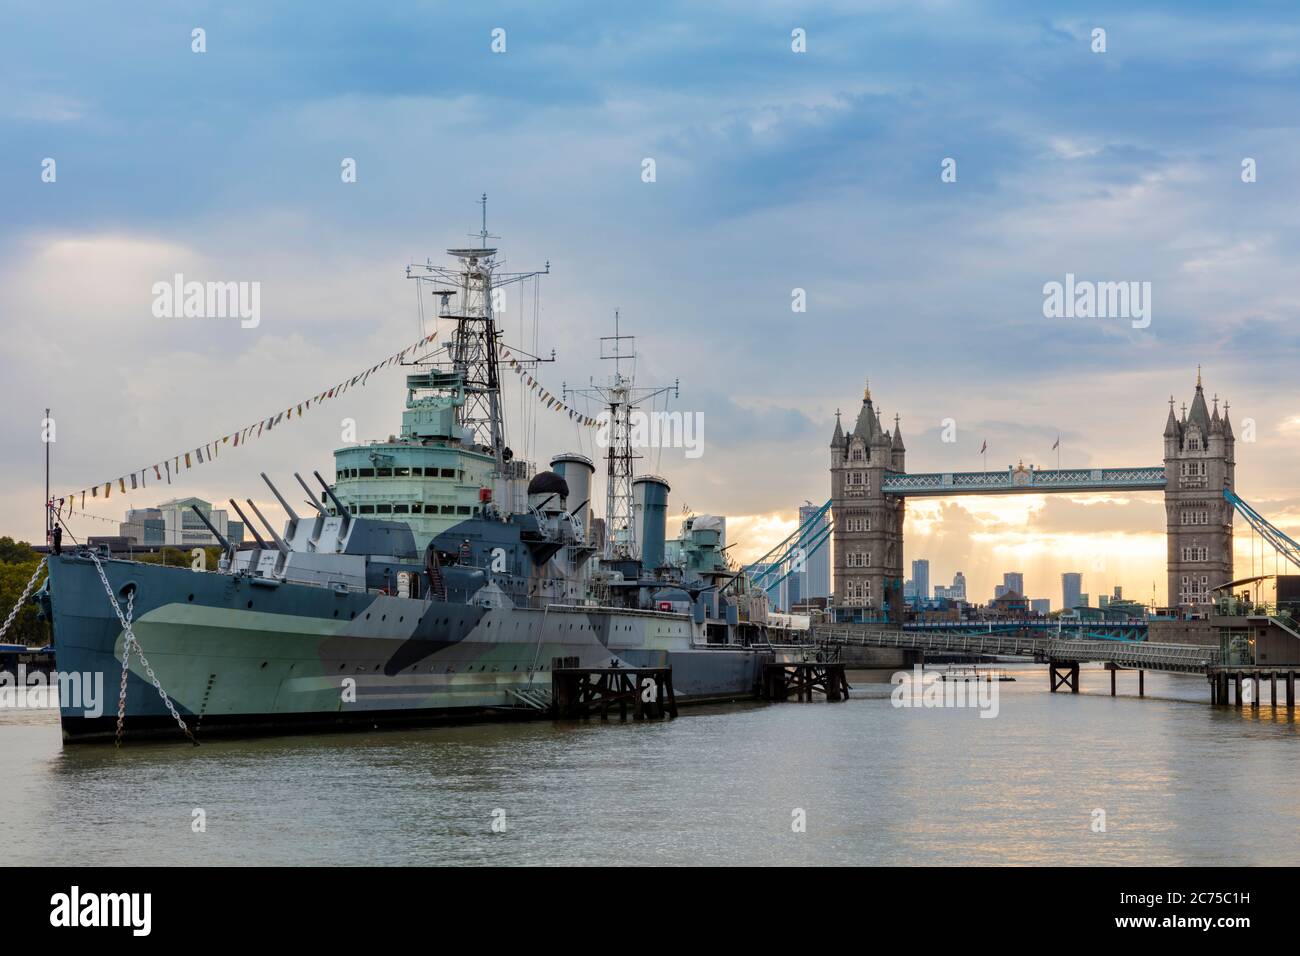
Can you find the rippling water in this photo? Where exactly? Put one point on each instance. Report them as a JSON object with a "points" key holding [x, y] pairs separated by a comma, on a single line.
{"points": [[1180, 782]]}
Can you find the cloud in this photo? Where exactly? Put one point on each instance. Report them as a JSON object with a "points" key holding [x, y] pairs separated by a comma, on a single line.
{"points": [[776, 171]]}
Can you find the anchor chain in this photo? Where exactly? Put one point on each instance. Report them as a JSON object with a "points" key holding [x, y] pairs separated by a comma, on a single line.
{"points": [[129, 643], [22, 598]]}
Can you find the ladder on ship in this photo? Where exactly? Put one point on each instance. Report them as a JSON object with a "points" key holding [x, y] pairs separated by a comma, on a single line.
{"points": [[433, 570], [534, 698]]}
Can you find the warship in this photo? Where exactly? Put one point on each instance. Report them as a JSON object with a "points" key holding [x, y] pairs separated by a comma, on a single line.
{"points": [[437, 577]]}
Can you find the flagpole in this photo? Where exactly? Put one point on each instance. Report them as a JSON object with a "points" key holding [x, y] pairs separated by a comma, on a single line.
{"points": [[49, 531]]}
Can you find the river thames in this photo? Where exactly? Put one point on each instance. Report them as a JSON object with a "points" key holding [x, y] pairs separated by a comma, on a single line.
{"points": [[1173, 780]]}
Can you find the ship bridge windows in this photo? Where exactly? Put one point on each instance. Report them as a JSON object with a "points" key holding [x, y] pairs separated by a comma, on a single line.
{"points": [[365, 472], [383, 472], [383, 509], [401, 509], [366, 510], [401, 472]]}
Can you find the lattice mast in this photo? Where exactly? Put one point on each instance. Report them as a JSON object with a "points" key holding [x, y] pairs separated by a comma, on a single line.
{"points": [[620, 398], [476, 285]]}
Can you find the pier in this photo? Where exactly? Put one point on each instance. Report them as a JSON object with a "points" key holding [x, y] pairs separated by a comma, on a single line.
{"points": [[1241, 684], [580, 692]]}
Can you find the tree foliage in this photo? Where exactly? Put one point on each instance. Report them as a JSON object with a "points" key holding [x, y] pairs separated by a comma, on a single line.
{"points": [[18, 562]]}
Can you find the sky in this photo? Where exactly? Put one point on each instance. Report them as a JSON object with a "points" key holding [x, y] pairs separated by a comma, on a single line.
{"points": [[775, 170]]}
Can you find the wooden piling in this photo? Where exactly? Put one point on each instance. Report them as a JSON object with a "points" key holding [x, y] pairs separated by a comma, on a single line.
{"points": [[581, 691], [804, 678]]}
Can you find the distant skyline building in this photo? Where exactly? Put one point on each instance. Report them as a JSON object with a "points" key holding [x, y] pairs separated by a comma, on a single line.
{"points": [[921, 578], [816, 577], [1041, 606], [174, 523], [1013, 581], [1071, 589], [957, 592]]}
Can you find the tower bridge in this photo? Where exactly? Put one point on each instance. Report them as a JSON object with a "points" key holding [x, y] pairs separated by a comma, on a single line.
{"points": [[870, 486]]}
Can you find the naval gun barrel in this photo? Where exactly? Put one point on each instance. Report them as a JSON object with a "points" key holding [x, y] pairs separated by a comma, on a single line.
{"points": [[311, 497], [280, 498], [248, 524], [334, 498], [279, 542], [215, 533]]}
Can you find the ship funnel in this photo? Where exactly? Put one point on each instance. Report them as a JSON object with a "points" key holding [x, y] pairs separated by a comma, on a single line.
{"points": [[577, 471], [650, 510]]}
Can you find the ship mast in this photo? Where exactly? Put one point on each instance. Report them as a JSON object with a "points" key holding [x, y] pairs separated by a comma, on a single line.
{"points": [[476, 286], [621, 397]]}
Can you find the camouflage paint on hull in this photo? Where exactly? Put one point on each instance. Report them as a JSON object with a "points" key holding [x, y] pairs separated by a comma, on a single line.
{"points": [[243, 655]]}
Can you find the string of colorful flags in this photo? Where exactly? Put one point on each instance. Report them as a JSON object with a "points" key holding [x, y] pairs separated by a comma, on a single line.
{"points": [[543, 396], [169, 468]]}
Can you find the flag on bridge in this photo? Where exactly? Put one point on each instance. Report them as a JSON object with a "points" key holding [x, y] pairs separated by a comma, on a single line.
{"points": [[984, 447], [1058, 443]]}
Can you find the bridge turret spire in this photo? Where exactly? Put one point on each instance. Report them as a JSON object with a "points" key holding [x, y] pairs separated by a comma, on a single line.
{"points": [[1171, 423]]}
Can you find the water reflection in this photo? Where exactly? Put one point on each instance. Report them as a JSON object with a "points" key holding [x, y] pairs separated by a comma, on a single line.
{"points": [[1178, 781]]}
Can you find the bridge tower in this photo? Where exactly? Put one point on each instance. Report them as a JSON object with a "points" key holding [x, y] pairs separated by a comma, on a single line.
{"points": [[1199, 464], [868, 533]]}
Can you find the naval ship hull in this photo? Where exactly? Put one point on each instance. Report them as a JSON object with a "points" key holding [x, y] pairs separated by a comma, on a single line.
{"points": [[244, 655]]}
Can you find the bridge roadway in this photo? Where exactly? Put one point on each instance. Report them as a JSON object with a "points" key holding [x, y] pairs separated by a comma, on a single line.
{"points": [[1179, 658]]}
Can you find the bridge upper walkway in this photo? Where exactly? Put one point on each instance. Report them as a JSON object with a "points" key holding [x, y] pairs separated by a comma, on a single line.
{"points": [[1184, 658], [1025, 480]]}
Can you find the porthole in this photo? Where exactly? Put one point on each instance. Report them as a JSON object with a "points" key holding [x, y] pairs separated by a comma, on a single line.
{"points": [[190, 598], [250, 603]]}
